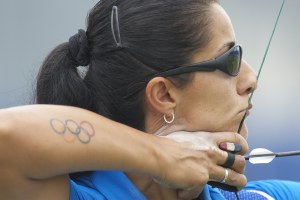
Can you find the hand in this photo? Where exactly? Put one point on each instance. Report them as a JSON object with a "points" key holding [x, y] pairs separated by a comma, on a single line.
{"points": [[190, 159]]}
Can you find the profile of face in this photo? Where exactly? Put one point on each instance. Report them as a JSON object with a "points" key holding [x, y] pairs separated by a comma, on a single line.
{"points": [[213, 101]]}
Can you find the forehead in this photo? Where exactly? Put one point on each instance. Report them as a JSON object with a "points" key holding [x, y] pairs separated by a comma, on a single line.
{"points": [[222, 34], [221, 24]]}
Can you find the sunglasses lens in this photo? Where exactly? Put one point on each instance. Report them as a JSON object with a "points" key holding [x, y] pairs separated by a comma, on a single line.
{"points": [[234, 61]]}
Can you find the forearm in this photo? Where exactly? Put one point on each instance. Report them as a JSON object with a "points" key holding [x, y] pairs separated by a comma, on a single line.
{"points": [[45, 141]]}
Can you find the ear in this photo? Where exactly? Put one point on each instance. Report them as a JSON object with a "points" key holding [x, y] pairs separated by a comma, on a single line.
{"points": [[161, 95]]}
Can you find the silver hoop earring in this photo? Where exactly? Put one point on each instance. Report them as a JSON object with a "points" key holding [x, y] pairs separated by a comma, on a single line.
{"points": [[169, 121]]}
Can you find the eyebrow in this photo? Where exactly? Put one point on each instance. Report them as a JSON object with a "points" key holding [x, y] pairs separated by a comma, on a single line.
{"points": [[227, 45]]}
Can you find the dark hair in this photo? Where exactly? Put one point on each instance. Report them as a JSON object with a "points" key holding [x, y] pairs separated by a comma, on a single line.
{"points": [[156, 35]]}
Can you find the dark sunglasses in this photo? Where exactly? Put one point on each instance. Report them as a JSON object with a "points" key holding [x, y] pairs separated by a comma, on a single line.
{"points": [[229, 63]]}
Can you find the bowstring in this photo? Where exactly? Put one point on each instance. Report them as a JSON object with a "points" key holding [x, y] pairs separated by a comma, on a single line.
{"points": [[262, 64], [259, 72]]}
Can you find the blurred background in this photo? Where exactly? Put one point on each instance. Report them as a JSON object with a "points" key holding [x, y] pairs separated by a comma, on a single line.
{"points": [[31, 28]]}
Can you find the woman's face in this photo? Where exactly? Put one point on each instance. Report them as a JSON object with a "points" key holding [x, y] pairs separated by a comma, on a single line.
{"points": [[215, 101]]}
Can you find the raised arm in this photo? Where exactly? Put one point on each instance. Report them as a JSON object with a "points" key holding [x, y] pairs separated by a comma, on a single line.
{"points": [[41, 144]]}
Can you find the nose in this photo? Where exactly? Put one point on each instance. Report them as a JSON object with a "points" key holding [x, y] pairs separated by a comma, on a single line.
{"points": [[247, 82]]}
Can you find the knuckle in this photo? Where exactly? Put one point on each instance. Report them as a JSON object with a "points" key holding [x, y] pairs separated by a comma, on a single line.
{"points": [[241, 162], [211, 152], [242, 181], [238, 180], [244, 145], [246, 148], [210, 167], [242, 141], [203, 180], [231, 177], [237, 138], [198, 181]]}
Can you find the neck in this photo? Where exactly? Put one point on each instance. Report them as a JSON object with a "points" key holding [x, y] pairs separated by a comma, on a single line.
{"points": [[150, 189], [154, 124]]}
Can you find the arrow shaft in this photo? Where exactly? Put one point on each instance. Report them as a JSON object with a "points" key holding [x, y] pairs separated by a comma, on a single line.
{"points": [[290, 153], [281, 154], [260, 155]]}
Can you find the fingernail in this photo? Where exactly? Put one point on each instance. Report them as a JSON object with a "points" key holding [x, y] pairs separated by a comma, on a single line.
{"points": [[223, 146], [228, 146]]}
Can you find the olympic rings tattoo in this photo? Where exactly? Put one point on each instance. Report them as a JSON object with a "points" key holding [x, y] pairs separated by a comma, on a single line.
{"points": [[70, 130]]}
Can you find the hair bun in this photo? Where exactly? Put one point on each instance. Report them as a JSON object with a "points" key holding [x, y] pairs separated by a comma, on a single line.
{"points": [[79, 48]]}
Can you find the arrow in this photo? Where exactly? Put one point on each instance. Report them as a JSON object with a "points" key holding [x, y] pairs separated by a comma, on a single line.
{"points": [[263, 156]]}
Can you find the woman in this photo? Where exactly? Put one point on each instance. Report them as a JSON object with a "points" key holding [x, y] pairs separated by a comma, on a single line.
{"points": [[125, 49], [151, 66]]}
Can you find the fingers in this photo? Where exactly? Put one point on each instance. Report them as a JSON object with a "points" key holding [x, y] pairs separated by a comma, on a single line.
{"points": [[224, 158], [236, 179], [228, 146], [239, 164], [232, 161], [228, 160], [226, 140], [233, 138], [198, 155], [235, 144], [218, 174]]}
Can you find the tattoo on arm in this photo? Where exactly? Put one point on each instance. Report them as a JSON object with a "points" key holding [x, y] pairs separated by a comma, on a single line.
{"points": [[72, 131]]}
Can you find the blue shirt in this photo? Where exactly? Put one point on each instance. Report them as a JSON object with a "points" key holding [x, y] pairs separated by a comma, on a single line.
{"points": [[104, 185], [114, 185]]}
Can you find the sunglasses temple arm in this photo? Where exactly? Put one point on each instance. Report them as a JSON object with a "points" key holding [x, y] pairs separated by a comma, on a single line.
{"points": [[262, 64]]}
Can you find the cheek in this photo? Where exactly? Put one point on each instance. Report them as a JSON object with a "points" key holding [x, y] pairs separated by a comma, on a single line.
{"points": [[208, 105], [204, 111]]}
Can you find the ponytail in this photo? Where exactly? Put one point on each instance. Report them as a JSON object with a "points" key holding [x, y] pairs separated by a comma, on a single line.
{"points": [[126, 42], [58, 81]]}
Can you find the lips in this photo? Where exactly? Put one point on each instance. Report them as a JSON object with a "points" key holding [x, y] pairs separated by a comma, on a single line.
{"points": [[247, 109], [250, 106]]}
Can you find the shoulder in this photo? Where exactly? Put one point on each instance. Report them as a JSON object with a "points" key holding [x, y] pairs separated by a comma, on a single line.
{"points": [[83, 188], [15, 187], [103, 185], [278, 189]]}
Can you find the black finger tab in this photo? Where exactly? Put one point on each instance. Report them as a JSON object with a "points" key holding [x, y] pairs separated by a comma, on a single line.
{"points": [[230, 160]]}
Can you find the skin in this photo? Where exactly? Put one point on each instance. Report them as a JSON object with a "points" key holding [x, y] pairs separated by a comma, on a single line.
{"points": [[37, 154], [44, 143], [213, 102]]}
